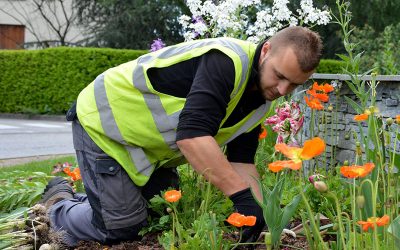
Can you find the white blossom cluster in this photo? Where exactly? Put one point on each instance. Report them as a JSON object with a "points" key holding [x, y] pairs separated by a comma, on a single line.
{"points": [[229, 18]]}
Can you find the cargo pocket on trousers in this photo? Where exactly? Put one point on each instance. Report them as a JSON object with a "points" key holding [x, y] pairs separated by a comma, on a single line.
{"points": [[110, 184]]}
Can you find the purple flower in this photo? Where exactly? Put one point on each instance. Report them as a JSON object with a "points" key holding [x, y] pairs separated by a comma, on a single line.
{"points": [[157, 44], [197, 19]]}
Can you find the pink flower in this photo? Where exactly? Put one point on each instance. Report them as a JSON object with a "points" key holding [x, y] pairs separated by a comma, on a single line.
{"points": [[287, 122], [272, 120]]}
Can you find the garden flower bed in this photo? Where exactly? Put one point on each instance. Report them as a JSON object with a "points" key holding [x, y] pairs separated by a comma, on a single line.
{"points": [[309, 201]]}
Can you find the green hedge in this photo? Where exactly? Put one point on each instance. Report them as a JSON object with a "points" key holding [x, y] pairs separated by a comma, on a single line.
{"points": [[49, 80], [329, 66]]}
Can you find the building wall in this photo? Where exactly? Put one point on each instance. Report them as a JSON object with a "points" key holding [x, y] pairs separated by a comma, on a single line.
{"points": [[23, 12]]}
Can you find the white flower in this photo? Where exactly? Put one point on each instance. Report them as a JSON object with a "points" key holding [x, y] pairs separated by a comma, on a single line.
{"points": [[229, 18]]}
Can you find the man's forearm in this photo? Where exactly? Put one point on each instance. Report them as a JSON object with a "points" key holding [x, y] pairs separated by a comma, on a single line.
{"points": [[206, 157], [250, 175]]}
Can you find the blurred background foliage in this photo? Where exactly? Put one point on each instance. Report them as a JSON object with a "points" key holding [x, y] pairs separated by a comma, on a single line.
{"points": [[134, 24]]}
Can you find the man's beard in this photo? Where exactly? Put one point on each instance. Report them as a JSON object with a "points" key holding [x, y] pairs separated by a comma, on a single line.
{"points": [[267, 93]]}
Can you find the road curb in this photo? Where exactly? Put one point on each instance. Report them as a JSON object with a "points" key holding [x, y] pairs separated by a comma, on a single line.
{"points": [[33, 117], [24, 160]]}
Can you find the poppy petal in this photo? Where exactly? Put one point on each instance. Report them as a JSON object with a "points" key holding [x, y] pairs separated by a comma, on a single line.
{"points": [[263, 134], [250, 221], [172, 195], [312, 148], [383, 221], [279, 165], [275, 166], [361, 117], [289, 152], [236, 219]]}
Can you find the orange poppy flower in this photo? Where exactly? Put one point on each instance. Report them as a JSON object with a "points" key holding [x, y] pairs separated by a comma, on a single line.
{"points": [[263, 134], [325, 87], [311, 148], [74, 174], [328, 88], [357, 171], [397, 119], [320, 96], [277, 166], [239, 220], [67, 170], [313, 103], [370, 223], [172, 195], [361, 117]]}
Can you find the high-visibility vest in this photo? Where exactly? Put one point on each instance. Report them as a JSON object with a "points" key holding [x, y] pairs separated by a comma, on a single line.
{"points": [[136, 125]]}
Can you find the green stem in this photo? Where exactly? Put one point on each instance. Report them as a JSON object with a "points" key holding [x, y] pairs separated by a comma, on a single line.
{"points": [[240, 238], [173, 232], [178, 228], [312, 221], [353, 207], [374, 191], [312, 123], [339, 215]]}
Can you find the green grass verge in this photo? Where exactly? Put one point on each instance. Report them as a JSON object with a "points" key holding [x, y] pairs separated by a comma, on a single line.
{"points": [[45, 166], [22, 185]]}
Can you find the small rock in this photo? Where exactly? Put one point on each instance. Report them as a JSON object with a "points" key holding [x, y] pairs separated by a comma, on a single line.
{"points": [[46, 247]]}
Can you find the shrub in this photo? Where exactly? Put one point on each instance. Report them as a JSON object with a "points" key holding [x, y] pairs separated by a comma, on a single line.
{"points": [[49, 80], [329, 66]]}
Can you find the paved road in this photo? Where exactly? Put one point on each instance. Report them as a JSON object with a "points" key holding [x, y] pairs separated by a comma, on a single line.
{"points": [[25, 138]]}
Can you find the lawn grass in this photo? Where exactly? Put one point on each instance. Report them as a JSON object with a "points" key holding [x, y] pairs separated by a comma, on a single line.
{"points": [[22, 185], [45, 166]]}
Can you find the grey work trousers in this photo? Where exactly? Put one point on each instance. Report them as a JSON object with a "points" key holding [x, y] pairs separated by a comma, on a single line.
{"points": [[113, 208]]}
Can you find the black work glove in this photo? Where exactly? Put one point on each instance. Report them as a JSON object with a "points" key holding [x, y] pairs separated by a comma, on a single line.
{"points": [[244, 203]]}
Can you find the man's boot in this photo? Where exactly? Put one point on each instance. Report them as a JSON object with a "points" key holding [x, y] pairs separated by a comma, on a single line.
{"points": [[55, 181], [56, 191]]}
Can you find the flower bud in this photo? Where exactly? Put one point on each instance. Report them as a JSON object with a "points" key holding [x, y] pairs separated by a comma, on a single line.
{"points": [[360, 201], [358, 148], [169, 210], [321, 186], [311, 178], [346, 136], [330, 107], [389, 121], [346, 163]]}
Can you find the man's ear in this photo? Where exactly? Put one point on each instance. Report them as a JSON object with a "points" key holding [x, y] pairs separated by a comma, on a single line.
{"points": [[264, 50]]}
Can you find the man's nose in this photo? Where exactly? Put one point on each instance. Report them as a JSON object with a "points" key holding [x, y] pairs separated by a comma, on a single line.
{"points": [[283, 87]]}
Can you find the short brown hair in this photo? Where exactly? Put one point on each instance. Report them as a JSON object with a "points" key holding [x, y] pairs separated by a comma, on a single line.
{"points": [[307, 45]]}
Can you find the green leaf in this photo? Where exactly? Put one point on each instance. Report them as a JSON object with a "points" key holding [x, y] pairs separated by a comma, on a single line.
{"points": [[394, 230], [164, 219], [354, 105]]}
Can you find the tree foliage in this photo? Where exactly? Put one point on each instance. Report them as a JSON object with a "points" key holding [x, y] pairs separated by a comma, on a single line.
{"points": [[132, 24]]}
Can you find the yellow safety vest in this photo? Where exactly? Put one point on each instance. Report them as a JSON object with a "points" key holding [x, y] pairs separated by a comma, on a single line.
{"points": [[136, 125]]}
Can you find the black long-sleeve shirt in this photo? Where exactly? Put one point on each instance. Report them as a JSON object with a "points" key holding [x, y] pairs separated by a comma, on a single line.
{"points": [[207, 82]]}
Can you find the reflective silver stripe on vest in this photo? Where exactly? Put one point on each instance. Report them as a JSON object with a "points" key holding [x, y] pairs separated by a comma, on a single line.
{"points": [[255, 118], [154, 104], [166, 125], [110, 128]]}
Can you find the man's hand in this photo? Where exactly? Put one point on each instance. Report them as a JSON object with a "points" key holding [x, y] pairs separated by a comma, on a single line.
{"points": [[244, 203]]}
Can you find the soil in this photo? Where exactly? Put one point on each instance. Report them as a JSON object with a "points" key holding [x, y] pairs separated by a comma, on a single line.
{"points": [[150, 241]]}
